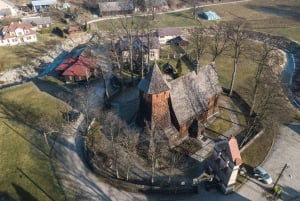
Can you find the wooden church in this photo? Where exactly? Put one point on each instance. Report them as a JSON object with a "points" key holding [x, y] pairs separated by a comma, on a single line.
{"points": [[180, 107]]}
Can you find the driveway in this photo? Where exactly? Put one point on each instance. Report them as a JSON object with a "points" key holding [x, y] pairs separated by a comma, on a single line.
{"points": [[285, 150]]}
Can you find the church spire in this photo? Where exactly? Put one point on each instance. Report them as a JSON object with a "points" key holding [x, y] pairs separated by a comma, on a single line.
{"points": [[154, 82]]}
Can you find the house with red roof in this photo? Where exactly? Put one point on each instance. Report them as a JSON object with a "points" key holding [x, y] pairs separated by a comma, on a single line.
{"points": [[17, 33], [225, 163], [77, 69]]}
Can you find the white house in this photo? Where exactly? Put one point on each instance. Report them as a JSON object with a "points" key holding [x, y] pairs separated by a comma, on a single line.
{"points": [[17, 33], [166, 34], [42, 5], [225, 163]]}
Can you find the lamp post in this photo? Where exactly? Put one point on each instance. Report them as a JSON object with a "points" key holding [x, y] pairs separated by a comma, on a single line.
{"points": [[283, 169]]}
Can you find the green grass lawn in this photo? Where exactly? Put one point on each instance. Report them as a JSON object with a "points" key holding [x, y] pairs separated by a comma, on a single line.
{"points": [[14, 56], [25, 170]]}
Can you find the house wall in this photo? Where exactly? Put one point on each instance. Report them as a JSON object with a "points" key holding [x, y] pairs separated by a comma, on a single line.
{"points": [[160, 110], [165, 39], [108, 13], [29, 38], [154, 55], [213, 105], [225, 171], [3, 42]]}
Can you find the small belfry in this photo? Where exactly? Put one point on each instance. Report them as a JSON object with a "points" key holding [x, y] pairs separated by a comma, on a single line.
{"points": [[155, 93], [182, 106]]}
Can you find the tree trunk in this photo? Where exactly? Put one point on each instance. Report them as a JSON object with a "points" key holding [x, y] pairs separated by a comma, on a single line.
{"points": [[233, 77], [253, 99]]}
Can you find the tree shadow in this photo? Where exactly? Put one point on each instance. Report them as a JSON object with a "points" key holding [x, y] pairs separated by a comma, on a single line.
{"points": [[181, 14], [35, 184], [4, 196], [288, 193], [295, 128], [23, 194]]}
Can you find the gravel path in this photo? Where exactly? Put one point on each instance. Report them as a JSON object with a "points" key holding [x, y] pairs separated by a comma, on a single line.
{"points": [[78, 181]]}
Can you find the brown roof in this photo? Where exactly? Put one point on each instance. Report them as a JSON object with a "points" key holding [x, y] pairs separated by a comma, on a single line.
{"points": [[170, 31], [80, 66], [154, 83], [139, 42], [229, 150], [115, 6], [15, 25], [234, 151], [190, 93]]}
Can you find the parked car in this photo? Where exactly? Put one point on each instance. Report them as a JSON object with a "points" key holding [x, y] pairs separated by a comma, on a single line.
{"points": [[261, 174]]}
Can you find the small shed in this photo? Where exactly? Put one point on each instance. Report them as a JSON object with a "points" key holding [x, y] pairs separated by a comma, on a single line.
{"points": [[210, 15]]}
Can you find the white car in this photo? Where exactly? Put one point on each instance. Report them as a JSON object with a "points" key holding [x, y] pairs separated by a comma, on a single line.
{"points": [[261, 174]]}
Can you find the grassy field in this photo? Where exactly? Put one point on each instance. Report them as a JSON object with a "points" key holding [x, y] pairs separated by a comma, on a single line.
{"points": [[15, 56], [25, 169]]}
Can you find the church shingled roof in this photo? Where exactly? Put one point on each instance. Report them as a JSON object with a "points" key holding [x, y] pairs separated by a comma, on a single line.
{"points": [[190, 93], [154, 83]]}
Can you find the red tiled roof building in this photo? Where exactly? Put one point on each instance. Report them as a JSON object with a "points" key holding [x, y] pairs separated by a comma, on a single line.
{"points": [[77, 69]]}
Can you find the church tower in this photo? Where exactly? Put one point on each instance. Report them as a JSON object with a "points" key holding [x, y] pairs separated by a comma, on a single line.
{"points": [[155, 93]]}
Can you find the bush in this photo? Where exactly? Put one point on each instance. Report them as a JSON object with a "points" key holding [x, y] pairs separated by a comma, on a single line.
{"points": [[46, 31], [58, 31], [179, 67]]}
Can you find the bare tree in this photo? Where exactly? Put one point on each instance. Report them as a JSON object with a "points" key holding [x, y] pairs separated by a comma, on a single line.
{"points": [[237, 37], [157, 144], [112, 127], [129, 142], [129, 26], [264, 60], [220, 41], [174, 161], [200, 39], [194, 4], [271, 108]]}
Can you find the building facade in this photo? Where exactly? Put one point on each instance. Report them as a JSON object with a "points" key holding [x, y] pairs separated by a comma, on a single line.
{"points": [[225, 162], [17, 33], [180, 107]]}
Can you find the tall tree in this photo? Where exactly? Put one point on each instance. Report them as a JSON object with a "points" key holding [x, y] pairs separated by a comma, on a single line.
{"points": [[264, 60], [157, 144], [200, 39], [129, 26], [237, 37], [220, 40]]}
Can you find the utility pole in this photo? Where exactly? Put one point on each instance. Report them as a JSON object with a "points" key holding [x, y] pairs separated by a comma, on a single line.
{"points": [[283, 169]]}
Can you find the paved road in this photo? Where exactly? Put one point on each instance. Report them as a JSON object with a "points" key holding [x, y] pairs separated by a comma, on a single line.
{"points": [[171, 11], [79, 179], [285, 150]]}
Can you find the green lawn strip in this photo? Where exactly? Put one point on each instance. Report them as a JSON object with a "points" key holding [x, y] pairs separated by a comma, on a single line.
{"points": [[257, 152], [222, 123], [25, 171]]}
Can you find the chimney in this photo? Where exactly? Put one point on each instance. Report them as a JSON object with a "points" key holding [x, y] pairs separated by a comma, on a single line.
{"points": [[196, 66]]}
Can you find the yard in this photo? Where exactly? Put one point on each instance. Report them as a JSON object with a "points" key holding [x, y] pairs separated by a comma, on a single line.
{"points": [[14, 56], [25, 170]]}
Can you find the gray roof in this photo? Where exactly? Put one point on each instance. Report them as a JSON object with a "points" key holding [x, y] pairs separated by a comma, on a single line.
{"points": [[37, 20], [155, 3], [5, 11], [170, 31], [43, 2], [139, 42], [115, 6], [190, 93], [154, 83]]}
